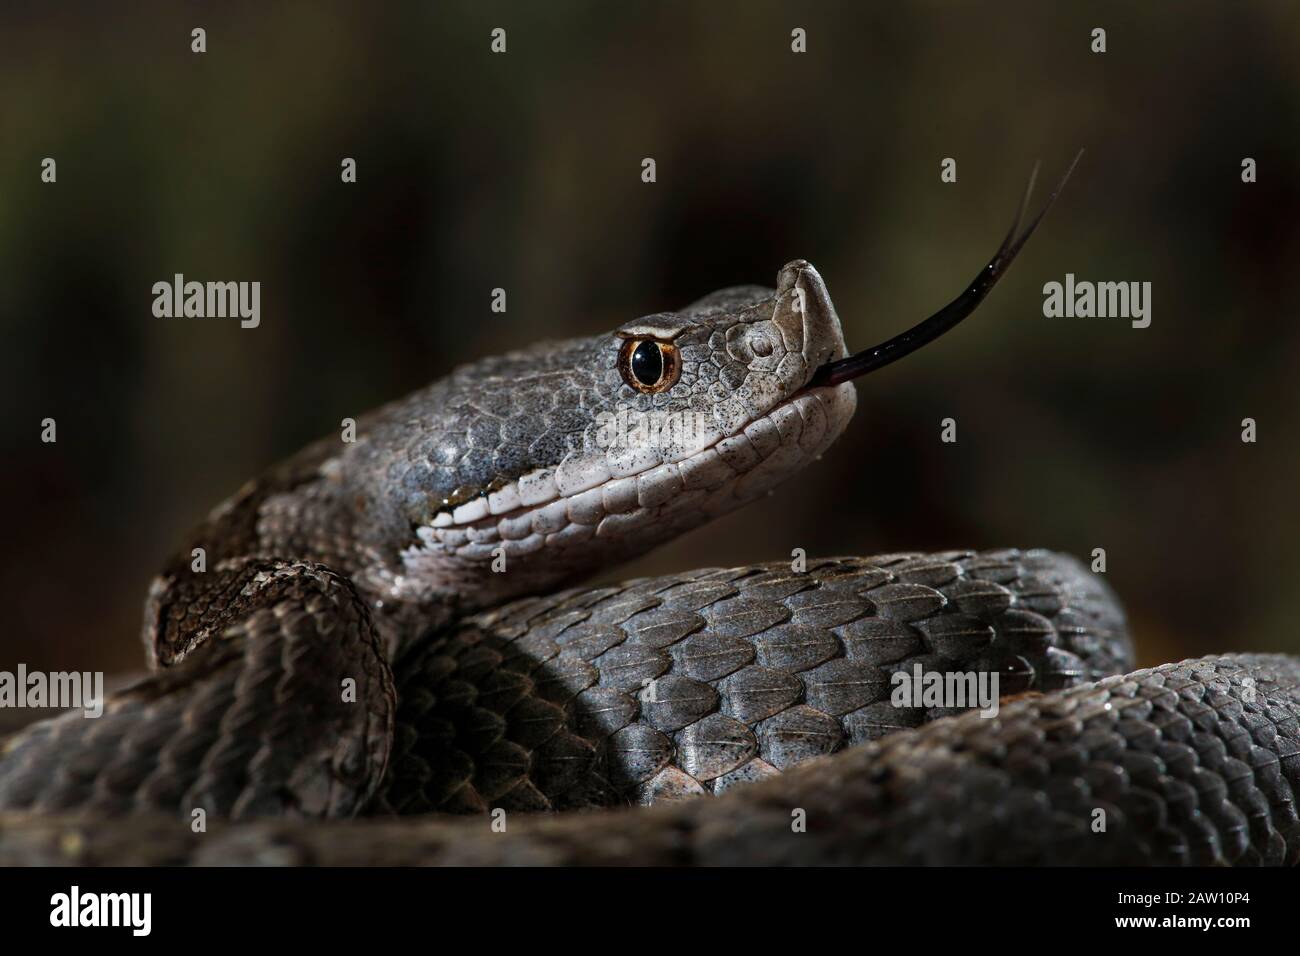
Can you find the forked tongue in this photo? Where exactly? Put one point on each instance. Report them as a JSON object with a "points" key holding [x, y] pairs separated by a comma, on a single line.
{"points": [[905, 343]]}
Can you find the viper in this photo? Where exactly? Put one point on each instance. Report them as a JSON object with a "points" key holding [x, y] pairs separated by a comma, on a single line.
{"points": [[379, 651]]}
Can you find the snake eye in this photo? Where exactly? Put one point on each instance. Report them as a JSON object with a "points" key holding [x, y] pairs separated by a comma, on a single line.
{"points": [[649, 365]]}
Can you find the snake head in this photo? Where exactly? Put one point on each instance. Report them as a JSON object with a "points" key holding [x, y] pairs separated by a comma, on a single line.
{"points": [[523, 471]]}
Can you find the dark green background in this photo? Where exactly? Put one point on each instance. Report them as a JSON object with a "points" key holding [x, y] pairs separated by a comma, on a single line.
{"points": [[522, 171]]}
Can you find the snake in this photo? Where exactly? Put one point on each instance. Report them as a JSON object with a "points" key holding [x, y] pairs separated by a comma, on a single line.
{"points": [[382, 650]]}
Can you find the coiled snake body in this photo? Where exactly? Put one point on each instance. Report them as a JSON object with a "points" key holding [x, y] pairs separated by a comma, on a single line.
{"points": [[374, 632]]}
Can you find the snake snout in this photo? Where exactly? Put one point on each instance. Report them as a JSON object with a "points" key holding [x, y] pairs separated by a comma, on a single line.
{"points": [[806, 316]]}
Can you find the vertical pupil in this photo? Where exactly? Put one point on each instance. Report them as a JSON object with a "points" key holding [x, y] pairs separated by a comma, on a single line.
{"points": [[647, 363]]}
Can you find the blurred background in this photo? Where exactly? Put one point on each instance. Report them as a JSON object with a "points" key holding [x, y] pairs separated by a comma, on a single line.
{"points": [[522, 171]]}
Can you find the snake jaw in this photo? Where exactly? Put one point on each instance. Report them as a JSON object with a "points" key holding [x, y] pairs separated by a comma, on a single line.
{"points": [[550, 536]]}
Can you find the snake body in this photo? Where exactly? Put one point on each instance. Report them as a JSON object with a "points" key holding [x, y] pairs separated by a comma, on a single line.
{"points": [[369, 639]]}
